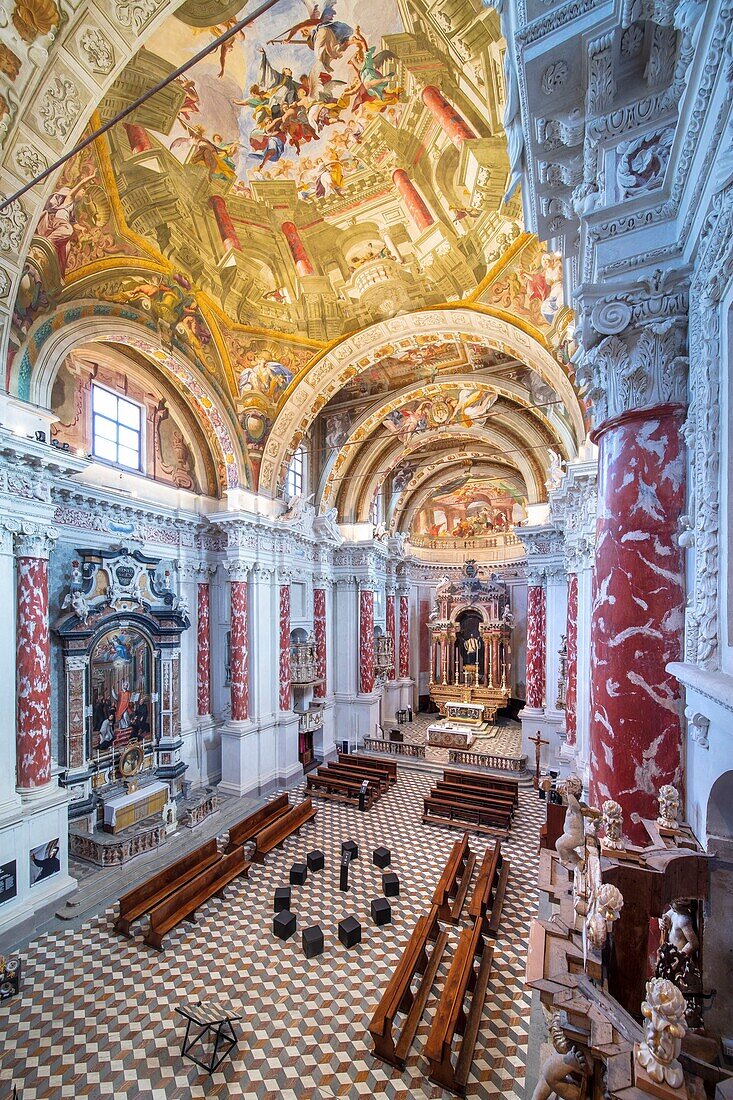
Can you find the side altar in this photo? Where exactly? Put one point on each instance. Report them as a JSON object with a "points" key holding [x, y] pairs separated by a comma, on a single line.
{"points": [[470, 649]]}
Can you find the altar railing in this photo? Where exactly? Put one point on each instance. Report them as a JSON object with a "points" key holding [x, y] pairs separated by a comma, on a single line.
{"points": [[487, 760], [394, 748]]}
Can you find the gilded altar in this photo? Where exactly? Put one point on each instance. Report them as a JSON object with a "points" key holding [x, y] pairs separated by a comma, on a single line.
{"points": [[470, 643]]}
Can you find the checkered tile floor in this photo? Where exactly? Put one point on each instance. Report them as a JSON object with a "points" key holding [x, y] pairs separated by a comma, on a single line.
{"points": [[96, 1015], [504, 739]]}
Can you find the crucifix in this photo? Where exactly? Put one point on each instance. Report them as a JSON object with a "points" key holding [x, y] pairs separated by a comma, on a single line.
{"points": [[538, 741]]}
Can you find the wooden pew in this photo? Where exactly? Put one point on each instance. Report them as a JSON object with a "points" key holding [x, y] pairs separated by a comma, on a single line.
{"points": [[440, 810], [278, 831], [192, 895], [246, 829], [487, 899], [502, 800], [150, 893], [399, 997], [451, 1018], [450, 893], [340, 789], [476, 779], [354, 771], [386, 767]]}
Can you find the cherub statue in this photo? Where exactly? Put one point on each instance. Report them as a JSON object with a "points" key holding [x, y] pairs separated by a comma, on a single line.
{"points": [[77, 601], [612, 821], [669, 807], [664, 1028], [573, 835], [566, 1063]]}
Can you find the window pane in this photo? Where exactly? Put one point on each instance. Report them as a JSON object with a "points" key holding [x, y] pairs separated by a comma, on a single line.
{"points": [[129, 439], [128, 457], [105, 429], [129, 414], [104, 402], [104, 449]]}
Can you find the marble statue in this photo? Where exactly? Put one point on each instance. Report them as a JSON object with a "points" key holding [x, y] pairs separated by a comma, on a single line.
{"points": [[326, 526], [78, 603], [573, 834], [613, 822], [664, 1028], [556, 1073], [669, 807]]}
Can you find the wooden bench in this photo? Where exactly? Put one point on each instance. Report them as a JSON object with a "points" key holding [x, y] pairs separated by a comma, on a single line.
{"points": [[249, 826], [487, 899], [150, 893], [502, 800], [439, 810], [353, 771], [450, 893], [399, 996], [339, 789], [451, 1018], [278, 831], [192, 895], [385, 767], [475, 779]]}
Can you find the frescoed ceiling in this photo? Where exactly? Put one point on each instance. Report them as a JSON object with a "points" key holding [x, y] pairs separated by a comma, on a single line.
{"points": [[324, 173]]}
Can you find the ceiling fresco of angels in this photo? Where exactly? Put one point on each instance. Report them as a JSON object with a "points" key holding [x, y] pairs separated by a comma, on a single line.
{"points": [[289, 98]]}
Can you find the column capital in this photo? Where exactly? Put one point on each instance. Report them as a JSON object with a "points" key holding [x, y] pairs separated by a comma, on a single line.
{"points": [[76, 662], [238, 570], [636, 370], [35, 540]]}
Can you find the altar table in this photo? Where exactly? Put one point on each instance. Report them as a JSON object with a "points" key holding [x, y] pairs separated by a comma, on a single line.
{"points": [[125, 809]]}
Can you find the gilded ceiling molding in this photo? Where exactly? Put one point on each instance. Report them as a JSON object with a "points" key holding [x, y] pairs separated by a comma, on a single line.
{"points": [[326, 376]]}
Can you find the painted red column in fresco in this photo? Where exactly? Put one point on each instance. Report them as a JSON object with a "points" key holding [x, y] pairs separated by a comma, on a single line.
{"points": [[571, 685], [239, 651], [536, 634], [33, 663], [138, 137], [404, 661], [319, 632], [303, 264], [224, 222], [203, 650], [392, 633], [285, 701], [413, 200], [366, 640], [447, 117], [638, 611]]}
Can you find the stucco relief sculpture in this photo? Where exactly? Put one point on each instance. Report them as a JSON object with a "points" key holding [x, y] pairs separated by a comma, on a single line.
{"points": [[664, 1028]]}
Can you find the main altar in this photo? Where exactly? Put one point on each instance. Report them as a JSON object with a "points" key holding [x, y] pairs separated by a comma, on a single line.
{"points": [[470, 654]]}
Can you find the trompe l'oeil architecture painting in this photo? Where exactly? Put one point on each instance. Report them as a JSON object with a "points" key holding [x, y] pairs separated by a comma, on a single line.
{"points": [[364, 505]]}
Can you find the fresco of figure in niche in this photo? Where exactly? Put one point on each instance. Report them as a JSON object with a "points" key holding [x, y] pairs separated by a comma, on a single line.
{"points": [[291, 102]]}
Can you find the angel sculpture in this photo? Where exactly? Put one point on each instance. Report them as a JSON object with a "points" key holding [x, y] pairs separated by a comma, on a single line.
{"points": [[573, 834]]}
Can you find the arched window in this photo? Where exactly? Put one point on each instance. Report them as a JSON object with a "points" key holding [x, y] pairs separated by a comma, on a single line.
{"points": [[295, 478]]}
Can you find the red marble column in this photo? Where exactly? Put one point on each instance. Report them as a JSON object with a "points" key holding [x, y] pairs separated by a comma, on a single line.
{"points": [[224, 223], [138, 137], [203, 650], [638, 611], [366, 640], [284, 697], [392, 633], [536, 635], [404, 661], [239, 651], [319, 632], [571, 685], [447, 117], [303, 264], [413, 200], [33, 663]]}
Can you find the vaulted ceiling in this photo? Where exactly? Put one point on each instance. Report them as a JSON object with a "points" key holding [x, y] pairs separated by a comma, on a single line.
{"points": [[309, 235]]}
